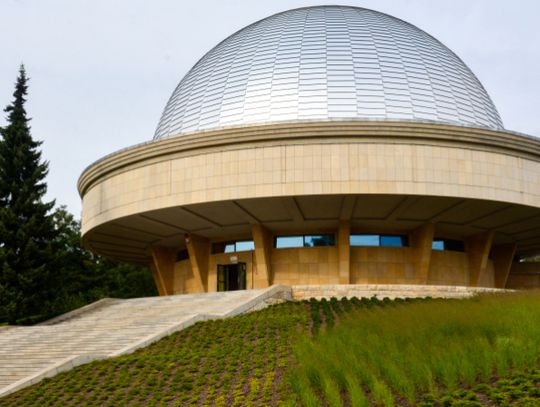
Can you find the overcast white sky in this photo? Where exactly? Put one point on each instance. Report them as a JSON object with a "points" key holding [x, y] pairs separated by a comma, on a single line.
{"points": [[102, 70]]}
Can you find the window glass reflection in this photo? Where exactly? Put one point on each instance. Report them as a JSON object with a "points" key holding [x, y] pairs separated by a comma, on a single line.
{"points": [[393, 241], [283, 242], [319, 240], [379, 240], [233, 246], [364, 240], [245, 246]]}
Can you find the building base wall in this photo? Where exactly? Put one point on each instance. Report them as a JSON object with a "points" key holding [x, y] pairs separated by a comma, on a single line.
{"points": [[302, 292], [383, 265], [313, 265], [319, 266], [524, 276]]}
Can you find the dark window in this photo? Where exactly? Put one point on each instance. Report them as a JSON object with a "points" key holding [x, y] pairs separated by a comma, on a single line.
{"points": [[219, 247], [182, 255], [454, 245], [448, 244], [368, 240], [319, 240], [394, 240], [283, 242]]}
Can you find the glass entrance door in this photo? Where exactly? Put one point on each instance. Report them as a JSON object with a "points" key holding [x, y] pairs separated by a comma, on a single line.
{"points": [[231, 277]]}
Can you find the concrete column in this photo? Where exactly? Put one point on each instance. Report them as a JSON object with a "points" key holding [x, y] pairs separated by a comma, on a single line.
{"points": [[478, 247], [422, 241], [502, 262], [344, 251], [163, 269], [157, 279], [199, 254], [263, 243]]}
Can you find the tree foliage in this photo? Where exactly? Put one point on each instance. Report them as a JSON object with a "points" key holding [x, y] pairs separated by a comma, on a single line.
{"points": [[44, 270], [26, 225]]}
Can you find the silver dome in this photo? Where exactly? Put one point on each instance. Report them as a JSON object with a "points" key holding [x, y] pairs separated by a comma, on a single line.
{"points": [[324, 63]]}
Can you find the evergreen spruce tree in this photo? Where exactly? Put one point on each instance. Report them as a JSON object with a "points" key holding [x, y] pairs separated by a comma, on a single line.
{"points": [[26, 224]]}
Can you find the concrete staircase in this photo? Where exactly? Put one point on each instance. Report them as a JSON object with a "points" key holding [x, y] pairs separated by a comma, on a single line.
{"points": [[113, 327]]}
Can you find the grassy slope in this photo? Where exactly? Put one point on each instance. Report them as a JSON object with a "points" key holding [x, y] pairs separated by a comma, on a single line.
{"points": [[405, 353], [402, 353]]}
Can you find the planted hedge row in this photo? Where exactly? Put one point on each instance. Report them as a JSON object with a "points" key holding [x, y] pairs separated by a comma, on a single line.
{"points": [[324, 313]]}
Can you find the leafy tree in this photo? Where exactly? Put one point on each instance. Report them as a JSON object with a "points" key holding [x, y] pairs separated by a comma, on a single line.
{"points": [[26, 224]]}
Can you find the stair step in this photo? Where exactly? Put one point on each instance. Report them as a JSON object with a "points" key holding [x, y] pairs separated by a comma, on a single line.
{"points": [[105, 329]]}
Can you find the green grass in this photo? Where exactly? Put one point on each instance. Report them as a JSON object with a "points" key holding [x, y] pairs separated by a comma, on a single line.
{"points": [[330, 352], [233, 362], [399, 354]]}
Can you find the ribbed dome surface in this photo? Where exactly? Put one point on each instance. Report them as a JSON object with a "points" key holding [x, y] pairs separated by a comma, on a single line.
{"points": [[324, 63]]}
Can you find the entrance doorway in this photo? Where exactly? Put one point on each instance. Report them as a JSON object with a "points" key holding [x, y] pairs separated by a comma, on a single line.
{"points": [[231, 277]]}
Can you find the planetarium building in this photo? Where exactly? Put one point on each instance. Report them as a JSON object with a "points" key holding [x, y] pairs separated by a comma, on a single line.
{"points": [[323, 146]]}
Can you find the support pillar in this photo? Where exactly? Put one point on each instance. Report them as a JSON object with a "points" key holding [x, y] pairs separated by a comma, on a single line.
{"points": [[162, 267], [502, 262], [422, 241], [478, 247], [263, 242], [199, 254], [344, 251]]}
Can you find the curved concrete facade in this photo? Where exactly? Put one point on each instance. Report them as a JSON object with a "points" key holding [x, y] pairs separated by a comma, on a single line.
{"points": [[326, 145], [313, 158], [146, 203]]}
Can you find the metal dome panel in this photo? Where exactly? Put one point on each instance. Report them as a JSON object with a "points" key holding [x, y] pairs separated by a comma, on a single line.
{"points": [[326, 63]]}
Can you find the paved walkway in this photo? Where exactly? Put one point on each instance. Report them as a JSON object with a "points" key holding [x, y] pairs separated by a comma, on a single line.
{"points": [[109, 328]]}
